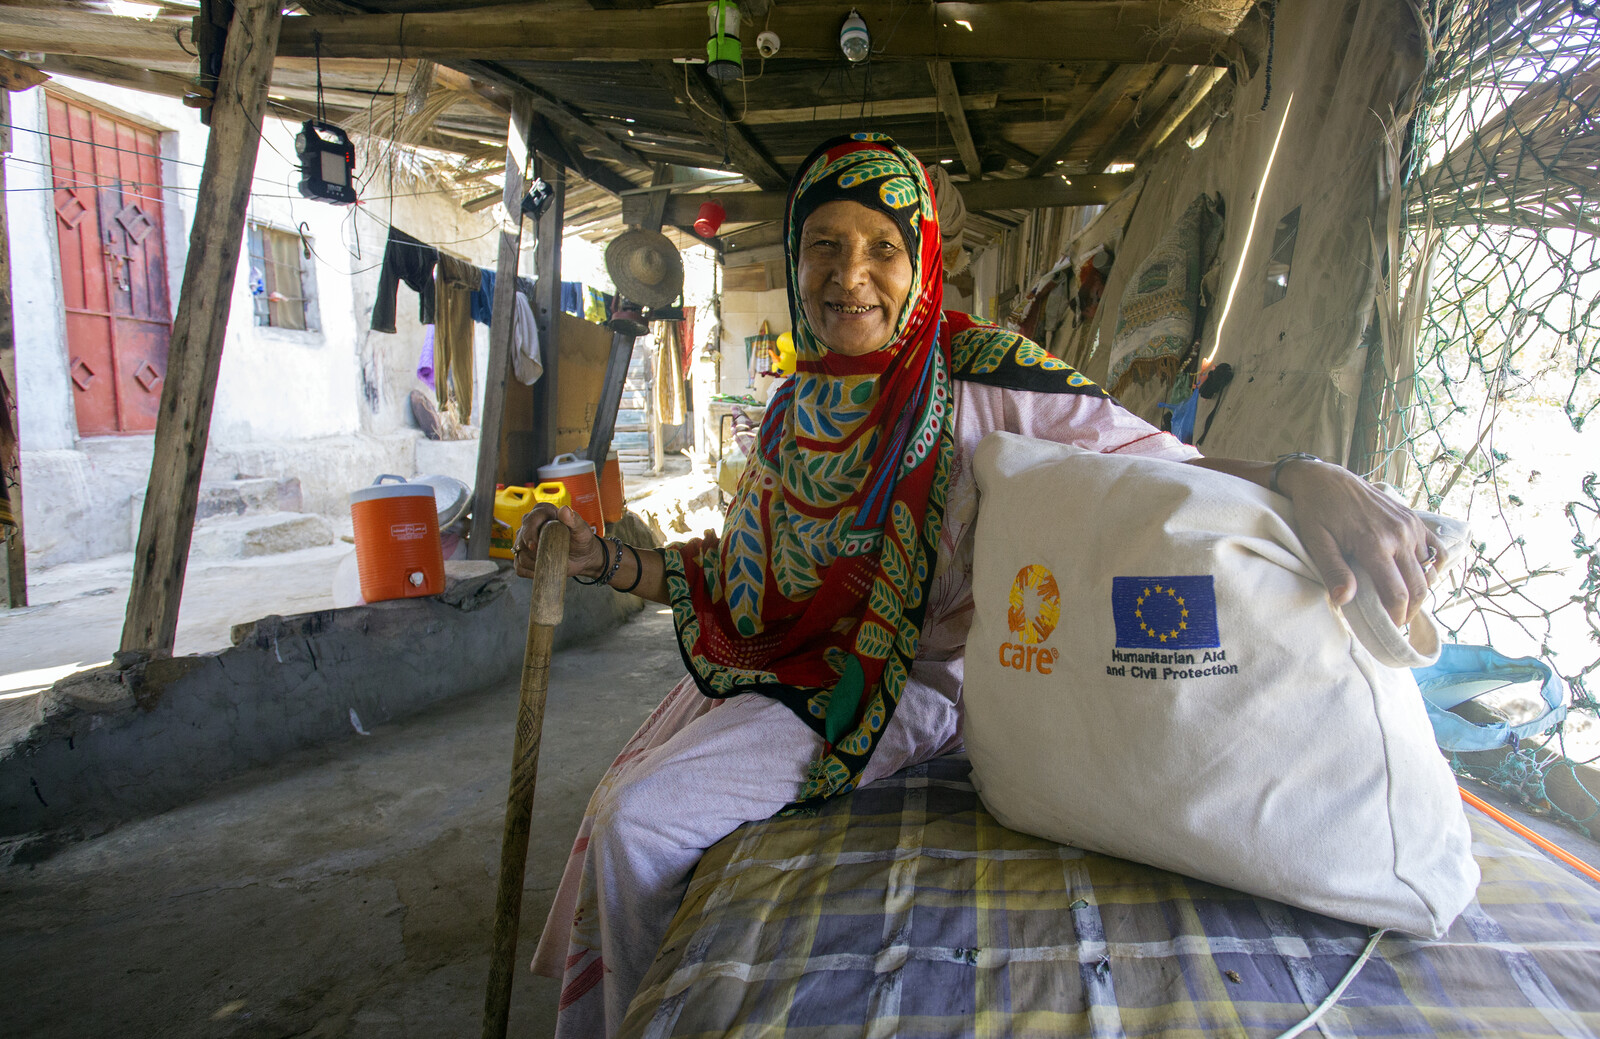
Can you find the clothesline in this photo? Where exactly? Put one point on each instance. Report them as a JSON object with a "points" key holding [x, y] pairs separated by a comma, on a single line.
{"points": [[452, 294]]}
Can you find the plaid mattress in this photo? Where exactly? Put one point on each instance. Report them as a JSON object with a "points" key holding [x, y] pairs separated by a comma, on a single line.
{"points": [[905, 910]]}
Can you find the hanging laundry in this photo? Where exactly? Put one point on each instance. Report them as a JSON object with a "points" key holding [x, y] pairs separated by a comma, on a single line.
{"points": [[686, 339], [594, 306], [452, 340], [411, 261], [483, 297], [526, 364], [425, 362], [668, 383], [572, 298]]}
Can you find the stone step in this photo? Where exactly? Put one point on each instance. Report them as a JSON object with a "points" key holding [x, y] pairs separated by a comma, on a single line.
{"points": [[252, 496], [235, 537]]}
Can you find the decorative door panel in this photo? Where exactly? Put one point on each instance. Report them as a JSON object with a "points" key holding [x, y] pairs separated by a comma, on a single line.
{"points": [[113, 265]]}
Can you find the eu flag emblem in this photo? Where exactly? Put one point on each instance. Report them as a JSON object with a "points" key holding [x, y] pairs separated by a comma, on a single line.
{"points": [[1165, 612]]}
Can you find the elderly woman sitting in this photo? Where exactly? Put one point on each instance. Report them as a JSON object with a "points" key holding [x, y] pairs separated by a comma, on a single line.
{"points": [[824, 630]]}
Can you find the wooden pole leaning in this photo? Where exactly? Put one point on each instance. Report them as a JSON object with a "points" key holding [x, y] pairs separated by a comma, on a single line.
{"points": [[194, 357], [502, 325], [14, 586], [544, 613]]}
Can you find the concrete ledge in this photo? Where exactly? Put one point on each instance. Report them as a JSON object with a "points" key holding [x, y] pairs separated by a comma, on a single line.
{"points": [[139, 736]]}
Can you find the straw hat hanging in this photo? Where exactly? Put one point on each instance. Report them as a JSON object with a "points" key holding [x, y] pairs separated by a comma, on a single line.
{"points": [[645, 267]]}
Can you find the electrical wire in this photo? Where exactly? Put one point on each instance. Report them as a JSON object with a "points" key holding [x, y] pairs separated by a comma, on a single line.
{"points": [[1338, 990], [715, 115], [122, 184]]}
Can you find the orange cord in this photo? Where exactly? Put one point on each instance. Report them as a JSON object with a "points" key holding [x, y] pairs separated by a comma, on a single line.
{"points": [[1522, 831]]}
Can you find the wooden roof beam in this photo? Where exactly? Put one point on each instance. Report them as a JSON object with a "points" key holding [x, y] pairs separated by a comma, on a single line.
{"points": [[1199, 86], [91, 35], [955, 117], [560, 114], [1126, 32], [744, 154], [748, 207], [1108, 94], [1122, 31], [876, 109], [1124, 143]]}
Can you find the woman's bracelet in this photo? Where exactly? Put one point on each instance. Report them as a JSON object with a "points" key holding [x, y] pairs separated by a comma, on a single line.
{"points": [[609, 572], [1283, 460], [638, 574]]}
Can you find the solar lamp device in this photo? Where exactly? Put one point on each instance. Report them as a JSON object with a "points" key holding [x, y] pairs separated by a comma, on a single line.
{"points": [[724, 55], [327, 163]]}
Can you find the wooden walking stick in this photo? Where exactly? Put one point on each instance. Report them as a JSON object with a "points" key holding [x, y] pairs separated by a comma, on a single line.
{"points": [[544, 613]]}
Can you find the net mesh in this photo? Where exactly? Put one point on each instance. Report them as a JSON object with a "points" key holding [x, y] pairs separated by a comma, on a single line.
{"points": [[1486, 405]]}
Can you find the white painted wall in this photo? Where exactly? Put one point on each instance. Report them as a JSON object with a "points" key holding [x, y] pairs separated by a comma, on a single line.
{"points": [[44, 396], [331, 406]]}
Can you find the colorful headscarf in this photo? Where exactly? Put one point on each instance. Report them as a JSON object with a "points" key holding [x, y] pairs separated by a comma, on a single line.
{"points": [[816, 590]]}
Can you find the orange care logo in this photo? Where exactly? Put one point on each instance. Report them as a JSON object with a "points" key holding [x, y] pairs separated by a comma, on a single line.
{"points": [[1034, 610]]}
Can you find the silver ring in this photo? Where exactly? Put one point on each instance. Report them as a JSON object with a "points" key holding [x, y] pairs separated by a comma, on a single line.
{"points": [[1431, 559]]}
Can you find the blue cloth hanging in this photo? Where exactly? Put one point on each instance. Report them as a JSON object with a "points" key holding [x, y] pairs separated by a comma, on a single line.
{"points": [[572, 298], [483, 297]]}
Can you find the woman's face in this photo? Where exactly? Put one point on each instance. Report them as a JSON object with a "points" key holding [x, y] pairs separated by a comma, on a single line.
{"points": [[855, 275]]}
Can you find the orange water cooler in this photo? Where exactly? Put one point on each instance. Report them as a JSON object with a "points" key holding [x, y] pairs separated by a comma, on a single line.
{"points": [[578, 476], [398, 555]]}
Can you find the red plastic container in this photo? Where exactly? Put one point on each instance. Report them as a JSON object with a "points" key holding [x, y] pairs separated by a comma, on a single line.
{"points": [[397, 540], [708, 220]]}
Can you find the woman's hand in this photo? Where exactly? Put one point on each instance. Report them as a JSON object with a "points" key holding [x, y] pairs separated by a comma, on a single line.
{"points": [[586, 557], [1342, 518]]}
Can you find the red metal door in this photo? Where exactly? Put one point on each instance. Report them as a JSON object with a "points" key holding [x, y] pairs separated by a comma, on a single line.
{"points": [[113, 265]]}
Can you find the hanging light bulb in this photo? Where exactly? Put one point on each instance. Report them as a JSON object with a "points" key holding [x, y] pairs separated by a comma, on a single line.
{"points": [[853, 38], [724, 57]]}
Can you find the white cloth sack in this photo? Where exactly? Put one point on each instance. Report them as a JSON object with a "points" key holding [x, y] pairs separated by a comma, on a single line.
{"points": [[1155, 672]]}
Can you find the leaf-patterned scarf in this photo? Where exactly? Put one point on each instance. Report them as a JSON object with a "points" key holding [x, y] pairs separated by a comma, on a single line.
{"points": [[815, 592]]}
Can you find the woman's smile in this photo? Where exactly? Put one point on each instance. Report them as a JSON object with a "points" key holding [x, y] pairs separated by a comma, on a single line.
{"points": [[855, 276]]}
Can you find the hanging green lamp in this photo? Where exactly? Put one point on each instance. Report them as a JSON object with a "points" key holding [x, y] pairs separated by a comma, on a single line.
{"points": [[724, 56]]}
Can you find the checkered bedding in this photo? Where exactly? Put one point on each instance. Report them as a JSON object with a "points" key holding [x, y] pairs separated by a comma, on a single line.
{"points": [[905, 910]]}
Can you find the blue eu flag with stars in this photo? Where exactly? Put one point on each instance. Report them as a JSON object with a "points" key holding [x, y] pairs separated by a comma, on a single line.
{"points": [[1165, 612]]}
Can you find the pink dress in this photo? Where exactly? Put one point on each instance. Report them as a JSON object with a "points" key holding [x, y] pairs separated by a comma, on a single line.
{"points": [[699, 768]]}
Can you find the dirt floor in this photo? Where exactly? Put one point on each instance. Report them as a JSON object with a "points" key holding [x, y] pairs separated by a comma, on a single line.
{"points": [[347, 891]]}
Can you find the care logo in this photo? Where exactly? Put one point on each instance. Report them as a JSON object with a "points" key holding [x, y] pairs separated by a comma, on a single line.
{"points": [[1034, 609]]}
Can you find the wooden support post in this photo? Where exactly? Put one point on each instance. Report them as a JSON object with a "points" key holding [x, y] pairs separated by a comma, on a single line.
{"points": [[502, 325], [16, 567], [621, 356], [162, 554], [547, 310]]}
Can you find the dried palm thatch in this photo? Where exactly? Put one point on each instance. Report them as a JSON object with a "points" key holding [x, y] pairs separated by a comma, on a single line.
{"points": [[1531, 165]]}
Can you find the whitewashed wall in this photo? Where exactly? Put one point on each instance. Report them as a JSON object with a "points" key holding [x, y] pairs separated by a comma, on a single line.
{"points": [[331, 406]]}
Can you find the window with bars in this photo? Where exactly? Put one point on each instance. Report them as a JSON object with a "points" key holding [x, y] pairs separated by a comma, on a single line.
{"points": [[283, 285]]}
